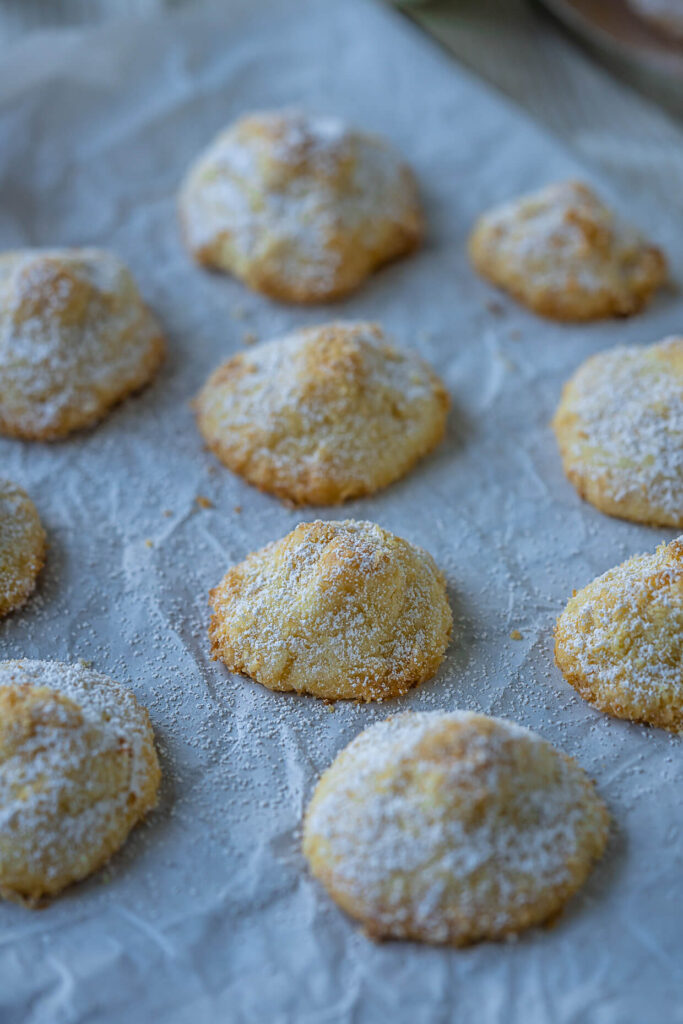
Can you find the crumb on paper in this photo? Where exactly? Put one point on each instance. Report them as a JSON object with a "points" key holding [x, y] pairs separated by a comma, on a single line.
{"points": [[167, 513], [249, 338], [495, 307], [85, 662], [515, 634], [237, 509], [149, 543], [203, 502]]}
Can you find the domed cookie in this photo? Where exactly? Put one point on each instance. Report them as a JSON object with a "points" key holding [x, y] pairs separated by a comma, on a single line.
{"points": [[22, 546], [338, 610], [78, 770], [564, 255], [452, 828], [619, 426], [323, 414], [75, 339], [299, 207], [619, 641]]}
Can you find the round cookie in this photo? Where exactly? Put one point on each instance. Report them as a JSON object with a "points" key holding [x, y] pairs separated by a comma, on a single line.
{"points": [[452, 828], [563, 254], [78, 770], [75, 339], [619, 427], [22, 546], [619, 641], [338, 610], [324, 414], [299, 207]]}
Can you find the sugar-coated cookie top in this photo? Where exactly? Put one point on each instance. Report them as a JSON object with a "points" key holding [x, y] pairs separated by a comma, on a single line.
{"points": [[620, 428], [323, 414], [22, 546], [566, 255], [336, 609], [77, 769], [450, 827], [301, 207], [75, 337], [619, 641]]}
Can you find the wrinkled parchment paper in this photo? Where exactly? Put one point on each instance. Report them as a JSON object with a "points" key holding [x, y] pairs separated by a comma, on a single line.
{"points": [[208, 914]]}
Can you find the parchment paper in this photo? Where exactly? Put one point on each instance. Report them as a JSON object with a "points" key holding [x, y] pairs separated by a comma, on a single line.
{"points": [[208, 914]]}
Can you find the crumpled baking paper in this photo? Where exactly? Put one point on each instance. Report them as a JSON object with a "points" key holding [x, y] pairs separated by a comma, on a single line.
{"points": [[208, 913]]}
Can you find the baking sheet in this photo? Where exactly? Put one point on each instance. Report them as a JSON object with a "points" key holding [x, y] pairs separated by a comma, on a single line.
{"points": [[208, 914]]}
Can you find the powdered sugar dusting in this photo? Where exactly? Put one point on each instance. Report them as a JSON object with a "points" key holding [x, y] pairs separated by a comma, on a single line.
{"points": [[22, 543], [624, 634], [287, 185], [440, 843], [74, 337], [55, 814], [336, 408], [565, 239], [337, 609], [628, 404]]}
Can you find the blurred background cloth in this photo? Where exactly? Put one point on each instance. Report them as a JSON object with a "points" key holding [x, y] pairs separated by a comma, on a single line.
{"points": [[613, 117]]}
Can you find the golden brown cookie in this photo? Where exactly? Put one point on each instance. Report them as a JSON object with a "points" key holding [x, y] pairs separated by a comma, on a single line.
{"points": [[619, 641], [620, 431], [564, 254], [338, 610], [75, 339], [22, 546], [299, 207], [323, 414], [78, 770], [452, 828]]}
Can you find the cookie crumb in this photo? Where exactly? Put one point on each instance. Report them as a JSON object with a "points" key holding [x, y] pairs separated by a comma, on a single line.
{"points": [[203, 502], [515, 634]]}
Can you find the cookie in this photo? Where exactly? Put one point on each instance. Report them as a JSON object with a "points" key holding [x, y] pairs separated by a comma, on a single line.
{"points": [[564, 254], [75, 339], [619, 641], [452, 828], [619, 427], [299, 207], [78, 770], [22, 546], [324, 414], [338, 610]]}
